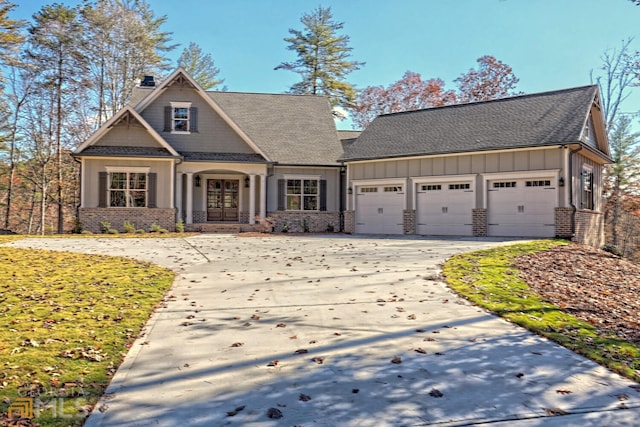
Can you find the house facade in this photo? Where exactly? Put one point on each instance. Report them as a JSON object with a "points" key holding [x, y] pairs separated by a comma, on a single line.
{"points": [[180, 152], [527, 166]]}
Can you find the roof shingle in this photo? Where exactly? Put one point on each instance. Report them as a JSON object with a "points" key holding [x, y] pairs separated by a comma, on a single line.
{"points": [[540, 119]]}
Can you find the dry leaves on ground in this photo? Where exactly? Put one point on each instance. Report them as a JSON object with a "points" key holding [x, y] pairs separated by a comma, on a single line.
{"points": [[588, 283]]}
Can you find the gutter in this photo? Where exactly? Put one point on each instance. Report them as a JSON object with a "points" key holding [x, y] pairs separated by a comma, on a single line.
{"points": [[573, 206]]}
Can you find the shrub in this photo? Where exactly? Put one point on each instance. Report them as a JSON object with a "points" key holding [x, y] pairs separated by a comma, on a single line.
{"points": [[140, 231], [129, 227], [155, 228], [112, 231], [305, 225], [330, 228], [613, 250], [77, 227], [180, 226], [105, 226], [85, 232]]}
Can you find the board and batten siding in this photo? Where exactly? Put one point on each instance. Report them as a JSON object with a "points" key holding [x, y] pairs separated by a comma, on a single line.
{"points": [[458, 165], [162, 169], [463, 164], [132, 136], [578, 162], [330, 175], [214, 134]]}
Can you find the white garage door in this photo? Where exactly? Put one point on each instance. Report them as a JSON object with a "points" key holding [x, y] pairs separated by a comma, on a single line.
{"points": [[445, 209], [379, 209], [522, 207]]}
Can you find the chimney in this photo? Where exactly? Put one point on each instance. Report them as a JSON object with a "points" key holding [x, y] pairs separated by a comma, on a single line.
{"points": [[147, 81]]}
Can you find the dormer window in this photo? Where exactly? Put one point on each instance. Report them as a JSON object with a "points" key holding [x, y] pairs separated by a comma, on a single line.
{"points": [[180, 118]]}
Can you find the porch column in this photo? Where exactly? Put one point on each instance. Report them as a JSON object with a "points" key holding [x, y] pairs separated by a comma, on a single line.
{"points": [[189, 198], [263, 196], [252, 199], [179, 194]]}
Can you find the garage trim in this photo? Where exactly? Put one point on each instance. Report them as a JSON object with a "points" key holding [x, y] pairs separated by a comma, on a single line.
{"points": [[377, 182], [486, 177]]}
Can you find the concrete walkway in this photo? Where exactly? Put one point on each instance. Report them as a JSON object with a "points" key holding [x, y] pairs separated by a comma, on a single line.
{"points": [[309, 328]]}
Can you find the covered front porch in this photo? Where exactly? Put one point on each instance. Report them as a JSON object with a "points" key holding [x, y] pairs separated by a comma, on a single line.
{"points": [[220, 194]]}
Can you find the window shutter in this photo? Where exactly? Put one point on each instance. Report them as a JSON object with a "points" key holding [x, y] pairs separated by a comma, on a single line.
{"points": [[167, 118], [193, 117], [323, 194], [102, 189], [281, 195], [151, 190]]}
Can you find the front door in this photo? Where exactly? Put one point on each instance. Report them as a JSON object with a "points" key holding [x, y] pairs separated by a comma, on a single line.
{"points": [[222, 199]]}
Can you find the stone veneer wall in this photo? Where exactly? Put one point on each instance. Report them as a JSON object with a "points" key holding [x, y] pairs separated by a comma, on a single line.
{"points": [[479, 222], [349, 222], [589, 228], [315, 222], [140, 217], [409, 221], [198, 216]]}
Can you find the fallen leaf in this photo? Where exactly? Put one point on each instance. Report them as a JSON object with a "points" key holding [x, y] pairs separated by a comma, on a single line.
{"points": [[274, 413], [281, 325], [304, 398], [421, 350], [396, 360], [273, 363], [554, 412], [237, 344], [302, 351], [564, 391], [435, 393], [318, 360]]}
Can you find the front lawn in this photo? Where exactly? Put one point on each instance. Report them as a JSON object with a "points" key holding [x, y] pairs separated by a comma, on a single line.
{"points": [[66, 322], [490, 280]]}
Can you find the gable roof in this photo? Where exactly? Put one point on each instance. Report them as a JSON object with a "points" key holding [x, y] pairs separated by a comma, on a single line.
{"points": [[127, 114], [534, 120], [180, 76], [290, 129]]}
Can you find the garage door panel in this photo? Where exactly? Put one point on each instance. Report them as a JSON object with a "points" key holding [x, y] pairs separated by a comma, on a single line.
{"points": [[379, 211], [523, 207], [444, 209]]}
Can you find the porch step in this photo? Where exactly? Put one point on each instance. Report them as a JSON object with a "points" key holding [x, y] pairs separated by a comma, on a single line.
{"points": [[223, 228]]}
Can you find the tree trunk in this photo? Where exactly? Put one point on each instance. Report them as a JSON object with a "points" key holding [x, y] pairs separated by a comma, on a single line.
{"points": [[59, 145]]}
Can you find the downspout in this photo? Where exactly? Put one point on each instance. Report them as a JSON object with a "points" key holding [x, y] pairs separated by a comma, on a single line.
{"points": [[343, 171], [176, 189], [79, 190], [573, 206]]}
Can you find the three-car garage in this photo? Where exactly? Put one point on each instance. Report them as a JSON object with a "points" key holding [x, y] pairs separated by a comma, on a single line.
{"points": [[515, 205]]}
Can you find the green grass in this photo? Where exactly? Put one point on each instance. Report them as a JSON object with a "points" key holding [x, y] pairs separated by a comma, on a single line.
{"points": [[66, 323], [147, 235], [488, 279]]}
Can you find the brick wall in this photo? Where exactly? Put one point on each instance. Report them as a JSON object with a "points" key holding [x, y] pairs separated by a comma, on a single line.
{"points": [[349, 222], [140, 217], [589, 228], [479, 219], [409, 221], [563, 223], [311, 222]]}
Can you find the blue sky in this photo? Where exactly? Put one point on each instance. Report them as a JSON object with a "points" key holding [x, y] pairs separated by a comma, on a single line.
{"points": [[550, 44]]}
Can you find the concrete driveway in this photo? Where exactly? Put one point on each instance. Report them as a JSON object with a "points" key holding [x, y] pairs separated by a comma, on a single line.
{"points": [[337, 331]]}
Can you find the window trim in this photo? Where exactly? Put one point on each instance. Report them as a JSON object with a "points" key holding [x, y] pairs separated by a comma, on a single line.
{"points": [[127, 170], [302, 178], [174, 106], [587, 199]]}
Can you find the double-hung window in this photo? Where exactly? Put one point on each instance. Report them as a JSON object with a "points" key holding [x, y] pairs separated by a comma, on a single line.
{"points": [[302, 194], [180, 118], [586, 199], [127, 190]]}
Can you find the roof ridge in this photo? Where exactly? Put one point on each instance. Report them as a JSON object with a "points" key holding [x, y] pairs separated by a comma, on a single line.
{"points": [[495, 100], [265, 93]]}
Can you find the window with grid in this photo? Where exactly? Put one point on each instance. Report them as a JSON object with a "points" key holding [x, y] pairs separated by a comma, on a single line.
{"points": [[127, 189], [302, 194], [587, 201]]}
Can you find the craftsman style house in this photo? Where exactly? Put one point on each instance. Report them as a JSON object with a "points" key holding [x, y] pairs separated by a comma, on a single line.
{"points": [[527, 166]]}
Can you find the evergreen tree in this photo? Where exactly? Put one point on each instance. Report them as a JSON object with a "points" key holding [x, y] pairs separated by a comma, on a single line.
{"points": [[323, 58], [200, 66]]}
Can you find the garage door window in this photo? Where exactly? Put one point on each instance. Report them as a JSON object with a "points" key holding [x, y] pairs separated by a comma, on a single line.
{"points": [[394, 189], [459, 186], [505, 184], [539, 183], [302, 194], [368, 189], [434, 187]]}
